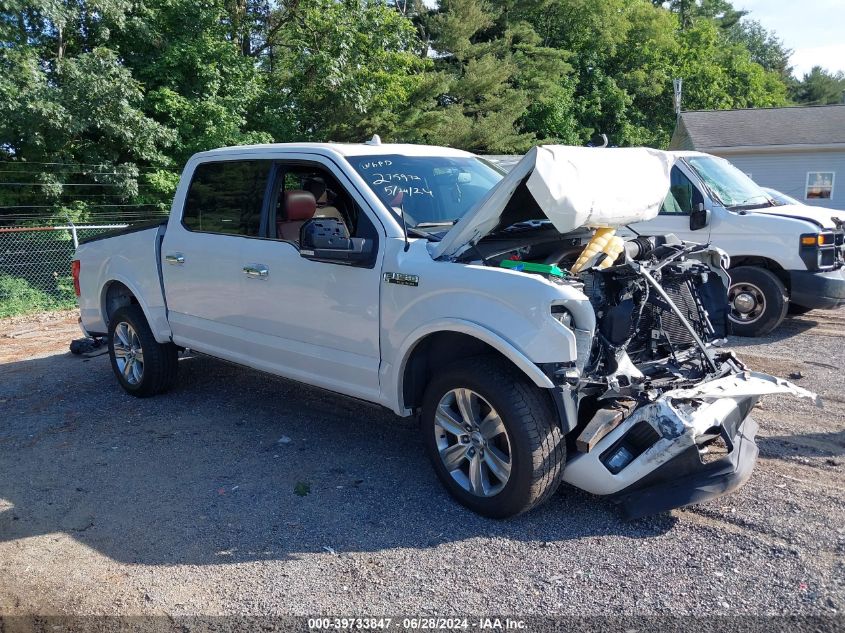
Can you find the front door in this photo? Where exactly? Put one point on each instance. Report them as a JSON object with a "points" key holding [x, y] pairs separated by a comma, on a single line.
{"points": [[312, 321], [674, 217]]}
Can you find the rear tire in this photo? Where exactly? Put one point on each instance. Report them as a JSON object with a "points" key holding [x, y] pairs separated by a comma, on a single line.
{"points": [[514, 451], [757, 301], [143, 366]]}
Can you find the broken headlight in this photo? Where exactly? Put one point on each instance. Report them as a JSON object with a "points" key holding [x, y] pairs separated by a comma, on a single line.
{"points": [[563, 316]]}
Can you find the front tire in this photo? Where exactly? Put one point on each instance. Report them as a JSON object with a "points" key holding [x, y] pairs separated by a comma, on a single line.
{"points": [[757, 301], [143, 366], [493, 437]]}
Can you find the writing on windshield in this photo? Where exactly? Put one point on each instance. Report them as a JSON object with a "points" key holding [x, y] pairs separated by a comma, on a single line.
{"points": [[427, 189]]}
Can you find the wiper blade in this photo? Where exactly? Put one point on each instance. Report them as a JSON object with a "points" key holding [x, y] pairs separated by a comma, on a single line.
{"points": [[431, 225], [748, 207], [414, 232]]}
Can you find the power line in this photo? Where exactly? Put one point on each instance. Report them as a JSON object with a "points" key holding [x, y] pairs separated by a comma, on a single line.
{"points": [[32, 162], [65, 184], [75, 171], [52, 206]]}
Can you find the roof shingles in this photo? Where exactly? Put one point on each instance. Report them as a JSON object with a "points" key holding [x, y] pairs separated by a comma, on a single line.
{"points": [[799, 125]]}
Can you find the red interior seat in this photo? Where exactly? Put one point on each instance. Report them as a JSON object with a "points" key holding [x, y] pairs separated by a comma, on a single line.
{"points": [[299, 206]]}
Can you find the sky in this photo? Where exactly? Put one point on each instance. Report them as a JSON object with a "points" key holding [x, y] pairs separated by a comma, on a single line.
{"points": [[813, 29]]}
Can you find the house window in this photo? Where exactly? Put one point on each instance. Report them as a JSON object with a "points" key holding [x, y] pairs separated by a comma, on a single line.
{"points": [[819, 185]]}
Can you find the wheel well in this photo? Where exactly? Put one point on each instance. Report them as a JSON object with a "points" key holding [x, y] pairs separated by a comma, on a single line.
{"points": [[435, 351], [117, 296], [761, 262]]}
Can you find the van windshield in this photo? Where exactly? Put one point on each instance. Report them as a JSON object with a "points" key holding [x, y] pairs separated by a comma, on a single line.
{"points": [[432, 192], [733, 188]]}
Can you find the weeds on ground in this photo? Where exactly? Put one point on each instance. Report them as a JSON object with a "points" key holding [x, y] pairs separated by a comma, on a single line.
{"points": [[18, 297]]}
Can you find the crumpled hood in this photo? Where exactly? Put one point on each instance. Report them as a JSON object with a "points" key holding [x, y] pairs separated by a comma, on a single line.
{"points": [[816, 215], [574, 187]]}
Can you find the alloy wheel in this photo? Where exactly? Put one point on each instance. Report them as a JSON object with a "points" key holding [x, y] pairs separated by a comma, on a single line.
{"points": [[473, 443], [128, 353]]}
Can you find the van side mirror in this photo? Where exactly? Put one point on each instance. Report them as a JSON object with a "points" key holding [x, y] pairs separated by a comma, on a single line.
{"points": [[699, 217], [327, 240]]}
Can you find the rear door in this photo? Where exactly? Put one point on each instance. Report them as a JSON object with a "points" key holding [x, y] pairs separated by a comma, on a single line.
{"points": [[203, 254], [674, 217]]}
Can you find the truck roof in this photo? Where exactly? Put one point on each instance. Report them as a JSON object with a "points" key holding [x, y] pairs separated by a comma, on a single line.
{"points": [[686, 153], [341, 149]]}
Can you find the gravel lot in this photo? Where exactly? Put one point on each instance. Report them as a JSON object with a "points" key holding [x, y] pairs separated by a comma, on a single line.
{"points": [[195, 503]]}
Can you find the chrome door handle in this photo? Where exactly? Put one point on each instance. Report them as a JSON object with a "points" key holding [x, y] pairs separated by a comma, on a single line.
{"points": [[175, 258], [258, 271]]}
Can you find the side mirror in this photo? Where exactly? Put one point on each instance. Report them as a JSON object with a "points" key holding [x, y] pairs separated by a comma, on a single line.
{"points": [[699, 218], [327, 240]]}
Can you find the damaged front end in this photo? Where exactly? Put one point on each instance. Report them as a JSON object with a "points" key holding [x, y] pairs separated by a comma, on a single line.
{"points": [[662, 414], [654, 412]]}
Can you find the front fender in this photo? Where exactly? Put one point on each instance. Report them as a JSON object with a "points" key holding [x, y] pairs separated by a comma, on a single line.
{"points": [[394, 374]]}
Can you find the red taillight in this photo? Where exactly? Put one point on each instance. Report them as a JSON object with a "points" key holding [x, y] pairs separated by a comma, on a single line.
{"points": [[74, 269]]}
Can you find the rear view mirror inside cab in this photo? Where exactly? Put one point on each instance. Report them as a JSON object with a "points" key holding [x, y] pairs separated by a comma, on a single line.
{"points": [[327, 240]]}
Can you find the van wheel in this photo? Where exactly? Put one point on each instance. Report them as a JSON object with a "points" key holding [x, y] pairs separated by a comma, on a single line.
{"points": [[757, 299], [492, 436], [143, 366]]}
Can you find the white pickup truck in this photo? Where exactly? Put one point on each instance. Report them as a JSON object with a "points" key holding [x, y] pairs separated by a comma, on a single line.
{"points": [[423, 279]]}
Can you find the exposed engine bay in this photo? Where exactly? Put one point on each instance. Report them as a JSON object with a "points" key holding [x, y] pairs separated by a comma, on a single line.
{"points": [[660, 304]]}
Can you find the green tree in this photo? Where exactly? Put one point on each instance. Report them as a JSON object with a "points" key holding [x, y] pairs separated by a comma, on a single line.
{"points": [[344, 70], [765, 48], [819, 87], [67, 98], [503, 87], [198, 80]]}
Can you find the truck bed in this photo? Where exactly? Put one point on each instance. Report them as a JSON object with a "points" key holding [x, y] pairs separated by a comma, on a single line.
{"points": [[131, 257]]}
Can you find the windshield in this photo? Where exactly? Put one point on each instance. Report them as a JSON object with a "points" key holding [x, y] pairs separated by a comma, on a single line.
{"points": [[730, 185], [431, 191]]}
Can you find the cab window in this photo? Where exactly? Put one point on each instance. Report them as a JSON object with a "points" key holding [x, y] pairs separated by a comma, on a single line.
{"points": [[305, 191], [226, 197], [683, 196]]}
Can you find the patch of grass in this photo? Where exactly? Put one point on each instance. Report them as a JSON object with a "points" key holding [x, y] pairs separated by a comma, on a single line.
{"points": [[18, 297], [302, 488]]}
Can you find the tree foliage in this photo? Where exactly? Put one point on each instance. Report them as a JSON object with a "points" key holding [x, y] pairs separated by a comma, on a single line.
{"points": [[133, 88], [819, 87]]}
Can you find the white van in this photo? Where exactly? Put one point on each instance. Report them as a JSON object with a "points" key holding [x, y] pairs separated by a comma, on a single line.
{"points": [[783, 257]]}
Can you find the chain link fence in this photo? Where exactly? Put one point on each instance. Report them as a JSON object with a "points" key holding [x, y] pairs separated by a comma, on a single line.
{"points": [[35, 266]]}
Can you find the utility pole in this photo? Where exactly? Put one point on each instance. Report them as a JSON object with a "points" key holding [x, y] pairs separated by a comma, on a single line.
{"points": [[678, 85]]}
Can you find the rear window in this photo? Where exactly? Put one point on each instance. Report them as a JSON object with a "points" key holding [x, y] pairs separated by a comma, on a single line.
{"points": [[226, 197]]}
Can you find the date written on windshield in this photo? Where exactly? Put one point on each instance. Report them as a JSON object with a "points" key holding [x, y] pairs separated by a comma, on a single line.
{"points": [[393, 190]]}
